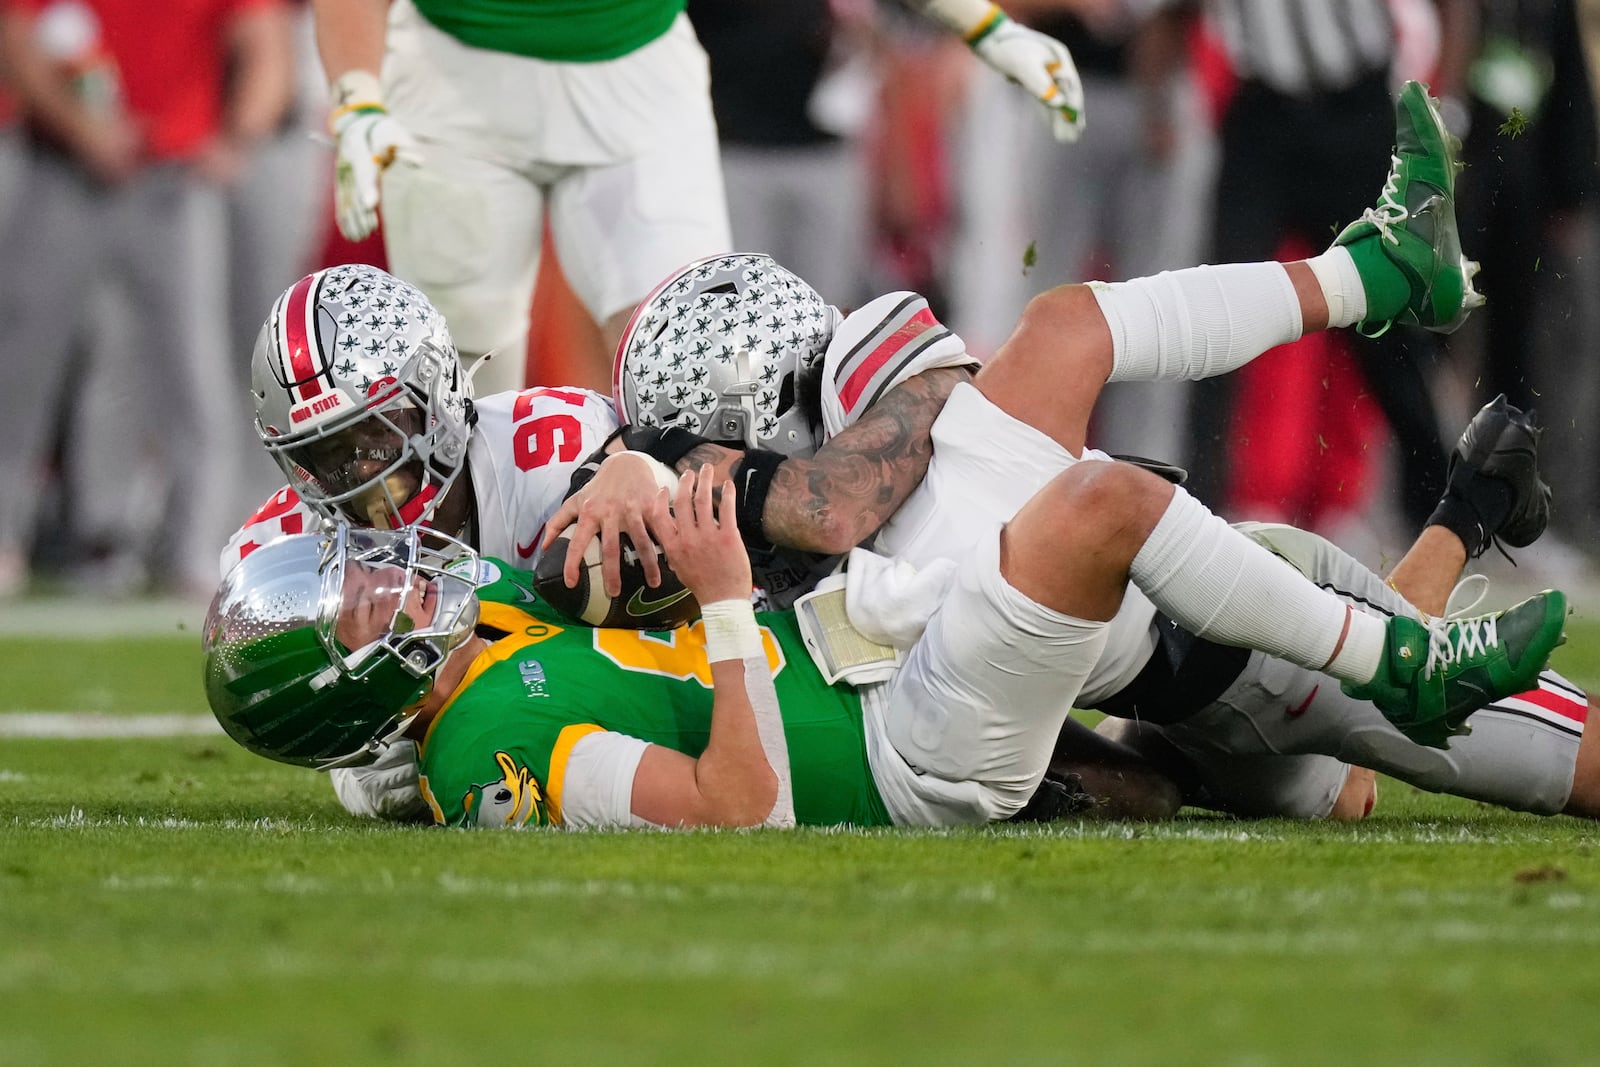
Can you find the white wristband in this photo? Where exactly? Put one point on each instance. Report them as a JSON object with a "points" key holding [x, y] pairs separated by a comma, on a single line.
{"points": [[355, 88], [731, 631]]}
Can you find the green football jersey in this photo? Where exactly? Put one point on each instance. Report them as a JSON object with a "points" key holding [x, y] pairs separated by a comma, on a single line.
{"points": [[496, 754], [561, 31]]}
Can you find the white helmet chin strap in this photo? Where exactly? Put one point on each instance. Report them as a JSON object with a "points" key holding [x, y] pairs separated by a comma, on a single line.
{"points": [[477, 365]]}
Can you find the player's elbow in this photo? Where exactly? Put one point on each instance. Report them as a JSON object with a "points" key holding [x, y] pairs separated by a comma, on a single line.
{"points": [[741, 807], [833, 534], [741, 799]]}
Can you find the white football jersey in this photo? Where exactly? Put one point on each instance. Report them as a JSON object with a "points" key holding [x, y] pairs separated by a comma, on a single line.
{"points": [[283, 514], [526, 445], [874, 349], [523, 453], [524, 450]]}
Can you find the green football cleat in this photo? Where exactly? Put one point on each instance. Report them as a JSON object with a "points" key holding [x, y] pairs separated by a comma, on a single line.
{"points": [[1407, 248], [1435, 674]]}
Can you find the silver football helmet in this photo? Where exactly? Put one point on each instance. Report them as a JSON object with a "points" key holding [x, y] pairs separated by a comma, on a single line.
{"points": [[721, 348], [360, 396], [317, 645]]}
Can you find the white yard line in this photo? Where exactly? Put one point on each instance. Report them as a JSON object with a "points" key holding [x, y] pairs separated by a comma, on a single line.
{"points": [[84, 724]]}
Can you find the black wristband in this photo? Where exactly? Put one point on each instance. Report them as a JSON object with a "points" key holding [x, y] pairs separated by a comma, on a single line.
{"points": [[591, 464], [752, 481], [586, 471], [665, 443]]}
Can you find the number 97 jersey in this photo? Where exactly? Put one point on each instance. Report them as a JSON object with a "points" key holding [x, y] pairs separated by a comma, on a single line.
{"points": [[524, 450]]}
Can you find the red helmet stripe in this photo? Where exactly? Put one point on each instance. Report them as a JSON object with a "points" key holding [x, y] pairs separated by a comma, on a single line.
{"points": [[298, 328]]}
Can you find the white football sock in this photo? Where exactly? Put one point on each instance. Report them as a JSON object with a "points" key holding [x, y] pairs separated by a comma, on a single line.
{"points": [[1341, 286], [1217, 583], [1198, 322]]}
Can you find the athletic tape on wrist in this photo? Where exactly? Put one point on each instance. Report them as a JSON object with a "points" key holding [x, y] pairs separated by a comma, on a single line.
{"points": [[355, 88], [731, 631], [752, 481]]}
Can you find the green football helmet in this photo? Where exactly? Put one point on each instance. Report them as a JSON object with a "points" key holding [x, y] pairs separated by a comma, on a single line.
{"points": [[277, 676]]}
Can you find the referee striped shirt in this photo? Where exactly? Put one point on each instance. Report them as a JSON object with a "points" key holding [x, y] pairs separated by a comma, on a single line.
{"points": [[1300, 47]]}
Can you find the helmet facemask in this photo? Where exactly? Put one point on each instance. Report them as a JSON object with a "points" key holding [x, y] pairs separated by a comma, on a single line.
{"points": [[361, 398], [387, 465], [278, 676]]}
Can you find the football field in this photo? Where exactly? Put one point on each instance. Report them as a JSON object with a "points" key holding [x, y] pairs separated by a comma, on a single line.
{"points": [[169, 899]]}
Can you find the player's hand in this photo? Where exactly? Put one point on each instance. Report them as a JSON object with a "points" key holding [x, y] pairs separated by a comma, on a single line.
{"points": [[701, 538], [616, 501], [369, 141], [1042, 66]]}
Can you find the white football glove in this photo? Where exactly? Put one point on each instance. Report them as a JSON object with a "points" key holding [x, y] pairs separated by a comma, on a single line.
{"points": [[1040, 64], [387, 788], [369, 140]]}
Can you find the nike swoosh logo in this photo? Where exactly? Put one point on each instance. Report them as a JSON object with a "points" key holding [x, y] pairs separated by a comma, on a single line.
{"points": [[1295, 713], [639, 607], [524, 551]]}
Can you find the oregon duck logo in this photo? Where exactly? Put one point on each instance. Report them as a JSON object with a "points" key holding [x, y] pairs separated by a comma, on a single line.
{"points": [[514, 800]]}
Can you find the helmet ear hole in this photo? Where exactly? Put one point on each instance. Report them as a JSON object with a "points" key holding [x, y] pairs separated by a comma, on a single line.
{"points": [[808, 393], [785, 394]]}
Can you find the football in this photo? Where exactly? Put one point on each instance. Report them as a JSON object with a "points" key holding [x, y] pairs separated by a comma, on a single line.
{"points": [[637, 607]]}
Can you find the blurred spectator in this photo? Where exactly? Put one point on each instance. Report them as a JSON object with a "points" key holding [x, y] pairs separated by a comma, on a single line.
{"points": [[11, 155], [793, 84], [278, 219], [136, 125], [1128, 200], [1304, 135]]}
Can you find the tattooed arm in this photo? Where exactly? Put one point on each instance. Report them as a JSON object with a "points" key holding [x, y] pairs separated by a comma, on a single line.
{"points": [[826, 504], [839, 497]]}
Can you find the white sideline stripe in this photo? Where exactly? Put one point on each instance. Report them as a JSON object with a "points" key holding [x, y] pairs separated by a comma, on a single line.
{"points": [[79, 725]]}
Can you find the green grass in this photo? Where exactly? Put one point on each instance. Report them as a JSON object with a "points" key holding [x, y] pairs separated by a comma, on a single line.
{"points": [[180, 902], [137, 675]]}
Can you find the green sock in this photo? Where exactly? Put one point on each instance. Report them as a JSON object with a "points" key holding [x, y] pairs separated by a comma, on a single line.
{"points": [[1388, 290]]}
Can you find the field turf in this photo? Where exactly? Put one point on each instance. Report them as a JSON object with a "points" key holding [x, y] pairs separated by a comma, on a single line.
{"points": [[177, 901]]}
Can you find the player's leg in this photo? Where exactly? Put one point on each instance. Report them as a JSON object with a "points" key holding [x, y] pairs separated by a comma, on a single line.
{"points": [[1523, 751], [1250, 784], [1203, 574], [976, 708], [465, 224], [1401, 261], [622, 226], [467, 232], [53, 248], [1584, 800]]}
